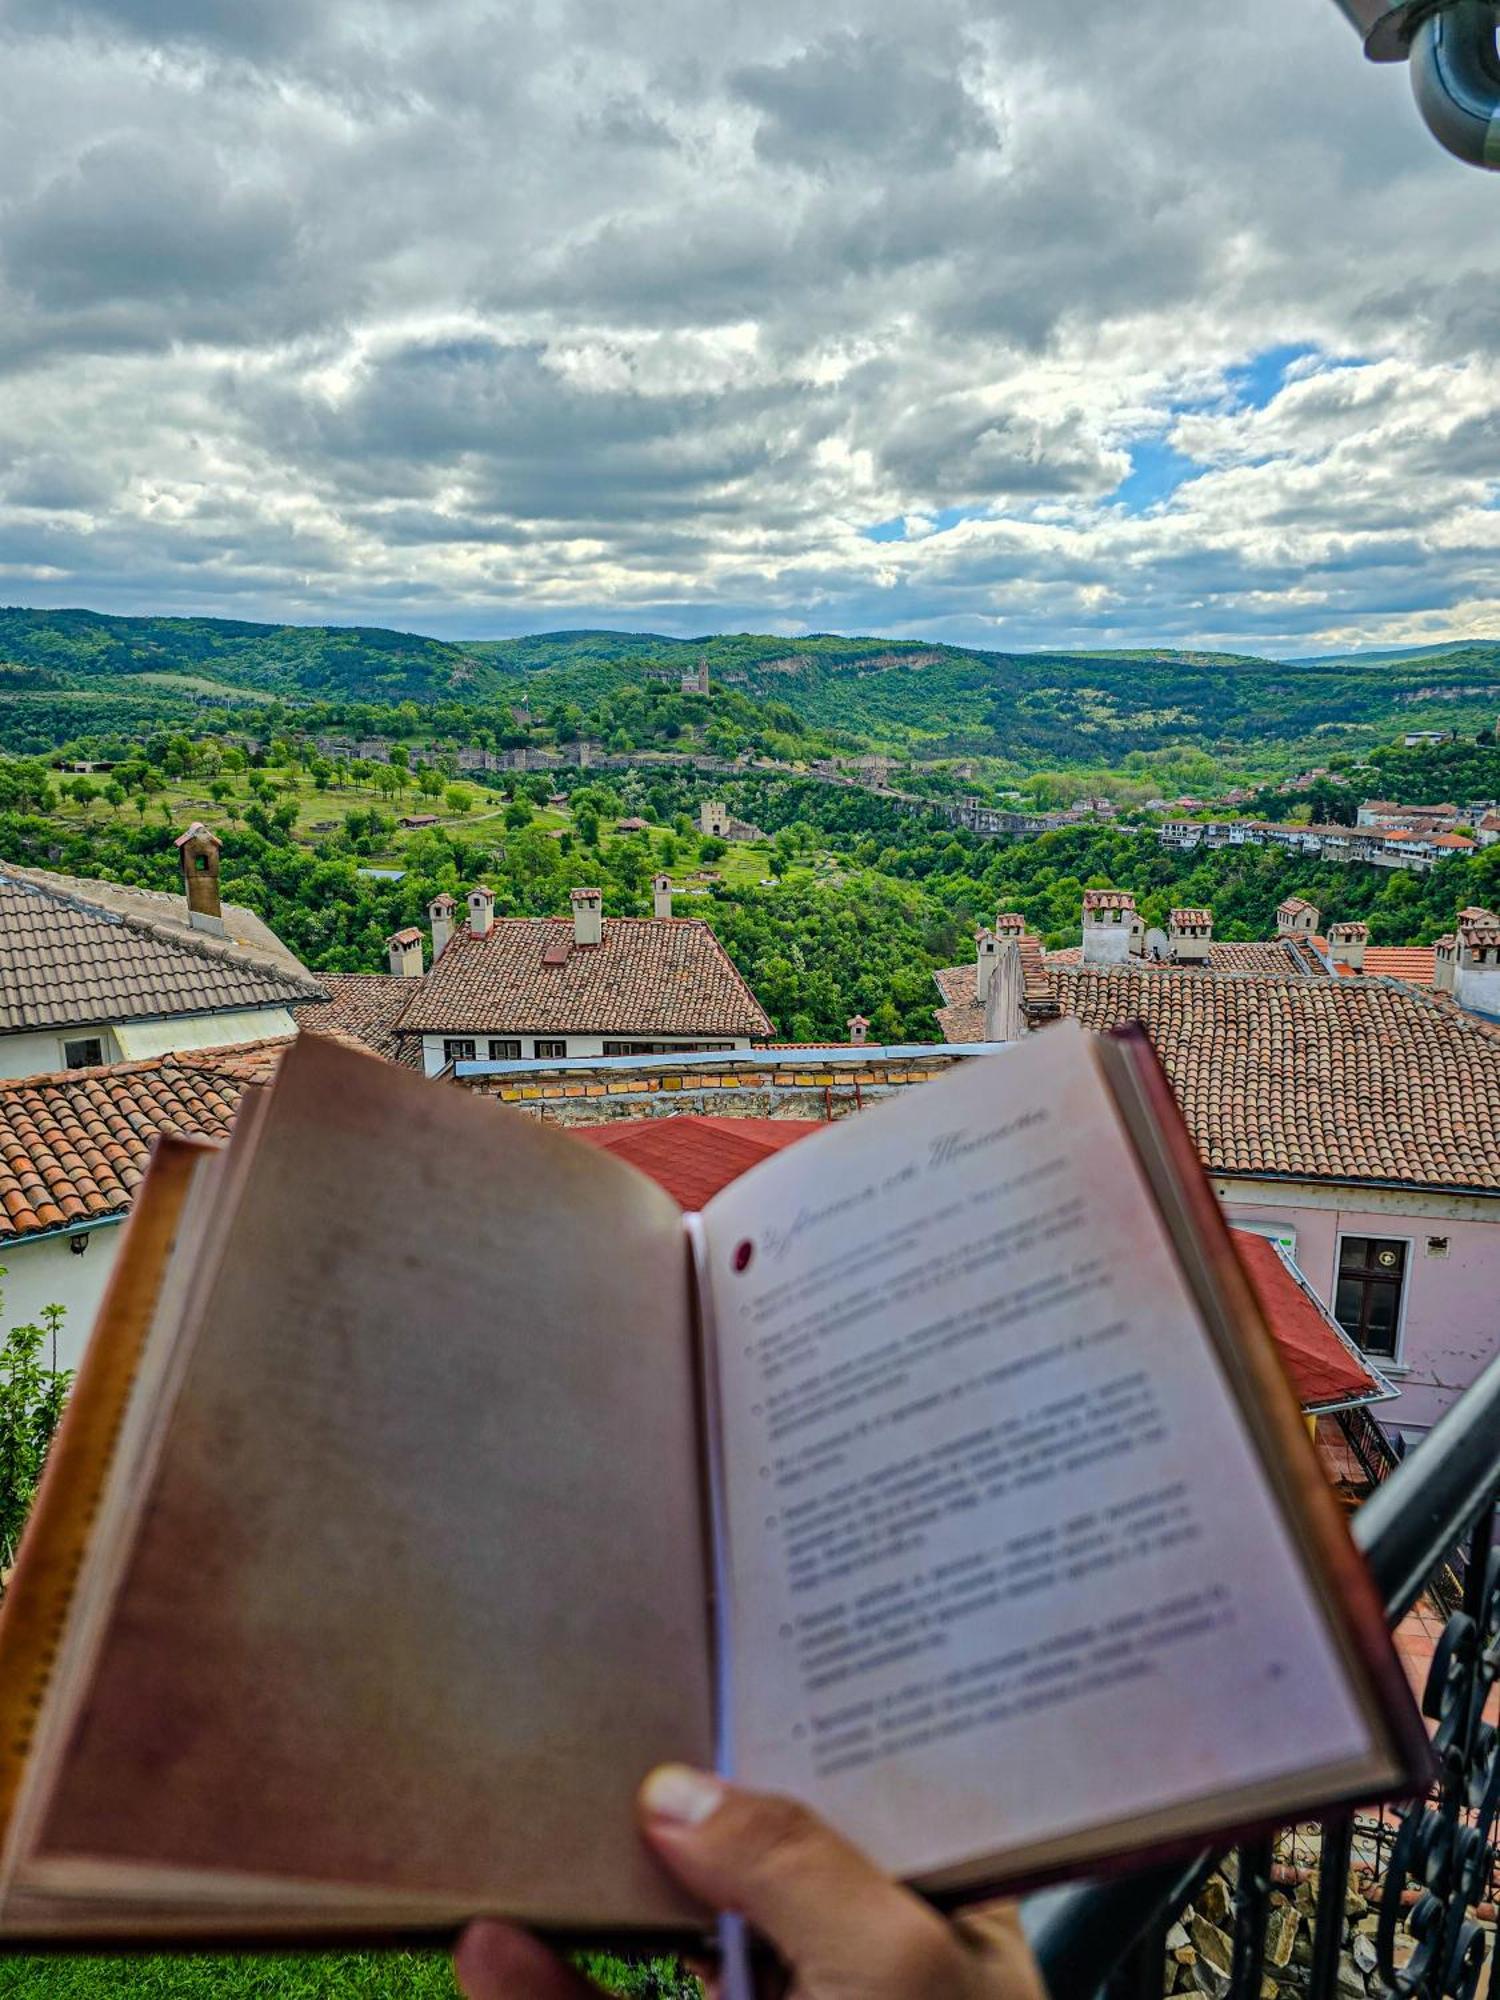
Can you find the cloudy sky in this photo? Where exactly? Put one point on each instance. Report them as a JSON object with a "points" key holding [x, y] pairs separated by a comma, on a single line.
{"points": [[1004, 322]]}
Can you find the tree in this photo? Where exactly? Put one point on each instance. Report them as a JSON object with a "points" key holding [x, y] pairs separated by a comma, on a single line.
{"points": [[33, 1391], [459, 799], [430, 782], [517, 814]]}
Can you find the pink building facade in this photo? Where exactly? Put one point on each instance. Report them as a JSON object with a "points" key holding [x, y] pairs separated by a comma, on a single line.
{"points": [[1444, 1282]]}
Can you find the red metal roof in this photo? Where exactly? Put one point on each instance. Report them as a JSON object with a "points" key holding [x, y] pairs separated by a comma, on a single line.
{"points": [[693, 1157]]}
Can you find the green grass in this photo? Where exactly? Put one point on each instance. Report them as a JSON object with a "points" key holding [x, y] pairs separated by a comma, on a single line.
{"points": [[345, 1976]]}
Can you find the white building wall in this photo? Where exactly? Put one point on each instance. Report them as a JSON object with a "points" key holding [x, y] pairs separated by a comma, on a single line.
{"points": [[41, 1053], [434, 1061], [48, 1272]]}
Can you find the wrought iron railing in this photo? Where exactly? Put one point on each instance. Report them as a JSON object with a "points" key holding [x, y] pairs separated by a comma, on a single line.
{"points": [[1418, 1875]]}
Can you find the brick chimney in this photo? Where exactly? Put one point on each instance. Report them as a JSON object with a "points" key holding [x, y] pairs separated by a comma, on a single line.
{"points": [[987, 950], [588, 916], [1190, 934], [198, 857], [1347, 944], [661, 895], [481, 911], [1109, 921], [404, 951], [1295, 918], [440, 916], [858, 1028]]}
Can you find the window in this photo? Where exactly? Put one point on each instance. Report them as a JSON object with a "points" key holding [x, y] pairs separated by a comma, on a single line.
{"points": [[545, 1049], [458, 1051], [505, 1051], [86, 1053], [1367, 1304]]}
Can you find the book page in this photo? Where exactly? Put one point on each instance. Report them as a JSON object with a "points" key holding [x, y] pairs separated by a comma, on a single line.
{"points": [[1002, 1565], [419, 1594]]}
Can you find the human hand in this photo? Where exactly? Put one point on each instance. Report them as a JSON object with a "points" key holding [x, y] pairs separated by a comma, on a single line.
{"points": [[844, 1930]]}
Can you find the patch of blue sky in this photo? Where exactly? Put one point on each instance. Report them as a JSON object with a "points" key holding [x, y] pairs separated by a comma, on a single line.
{"points": [[1254, 383], [940, 520], [1157, 469]]}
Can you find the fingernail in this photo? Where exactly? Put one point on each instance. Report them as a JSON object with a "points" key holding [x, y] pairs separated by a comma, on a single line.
{"points": [[676, 1792]]}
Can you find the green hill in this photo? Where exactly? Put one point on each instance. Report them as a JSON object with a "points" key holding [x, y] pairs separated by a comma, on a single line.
{"points": [[1031, 709]]}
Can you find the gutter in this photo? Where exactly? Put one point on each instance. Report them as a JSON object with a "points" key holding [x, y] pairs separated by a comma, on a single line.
{"points": [[63, 1229]]}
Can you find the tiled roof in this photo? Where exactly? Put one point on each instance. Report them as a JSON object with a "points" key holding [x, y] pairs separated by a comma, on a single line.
{"points": [[647, 976], [79, 952], [1324, 1368], [693, 1157], [363, 1007], [1108, 899], [1202, 918], [1411, 962], [73, 1146], [1276, 955], [1339, 1079]]}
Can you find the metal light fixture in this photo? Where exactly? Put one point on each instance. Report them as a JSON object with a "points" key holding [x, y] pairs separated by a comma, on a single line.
{"points": [[1455, 65], [78, 1244]]}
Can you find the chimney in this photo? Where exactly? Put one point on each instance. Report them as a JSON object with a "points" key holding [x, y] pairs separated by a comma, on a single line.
{"points": [[1190, 933], [1347, 944], [588, 916], [858, 1027], [404, 951], [1445, 964], [661, 896], [987, 950], [1010, 927], [1109, 921], [198, 857], [440, 916], [1476, 982], [1295, 918], [481, 911]]}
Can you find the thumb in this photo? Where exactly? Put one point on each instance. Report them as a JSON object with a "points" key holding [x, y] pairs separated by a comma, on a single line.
{"points": [[824, 1905]]}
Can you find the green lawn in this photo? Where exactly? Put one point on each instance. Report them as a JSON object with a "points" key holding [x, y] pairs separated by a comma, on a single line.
{"points": [[347, 1976]]}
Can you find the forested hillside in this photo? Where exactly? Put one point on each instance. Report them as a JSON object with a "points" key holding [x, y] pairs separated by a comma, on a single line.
{"points": [[1030, 711]]}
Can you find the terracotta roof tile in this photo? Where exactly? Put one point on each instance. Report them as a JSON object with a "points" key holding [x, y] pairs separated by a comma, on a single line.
{"points": [[1340, 1079], [79, 952], [363, 1007], [73, 1146], [647, 976]]}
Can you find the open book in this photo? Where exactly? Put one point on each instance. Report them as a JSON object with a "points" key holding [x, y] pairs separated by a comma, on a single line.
{"points": [[429, 1478]]}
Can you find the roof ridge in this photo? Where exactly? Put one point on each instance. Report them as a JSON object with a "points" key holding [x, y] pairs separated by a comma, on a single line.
{"points": [[226, 953]]}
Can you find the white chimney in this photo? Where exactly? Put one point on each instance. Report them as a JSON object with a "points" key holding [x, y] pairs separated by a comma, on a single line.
{"points": [[661, 896], [1296, 918], [1010, 926], [1347, 944], [588, 916], [481, 911], [987, 947], [440, 916], [404, 951], [1476, 984], [1109, 919], [858, 1027], [1190, 933]]}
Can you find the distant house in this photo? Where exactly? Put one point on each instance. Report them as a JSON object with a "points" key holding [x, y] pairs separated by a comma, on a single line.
{"points": [[411, 821], [511, 989], [96, 972]]}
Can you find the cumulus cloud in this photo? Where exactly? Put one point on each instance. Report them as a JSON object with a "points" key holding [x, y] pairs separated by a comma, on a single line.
{"points": [[480, 317]]}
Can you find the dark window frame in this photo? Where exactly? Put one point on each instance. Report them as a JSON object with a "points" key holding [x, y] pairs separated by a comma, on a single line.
{"points": [[504, 1048], [1369, 1296], [94, 1042], [460, 1048], [551, 1051]]}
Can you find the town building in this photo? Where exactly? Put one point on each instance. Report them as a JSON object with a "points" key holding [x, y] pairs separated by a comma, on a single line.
{"points": [[1351, 1117], [99, 972], [547, 988]]}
